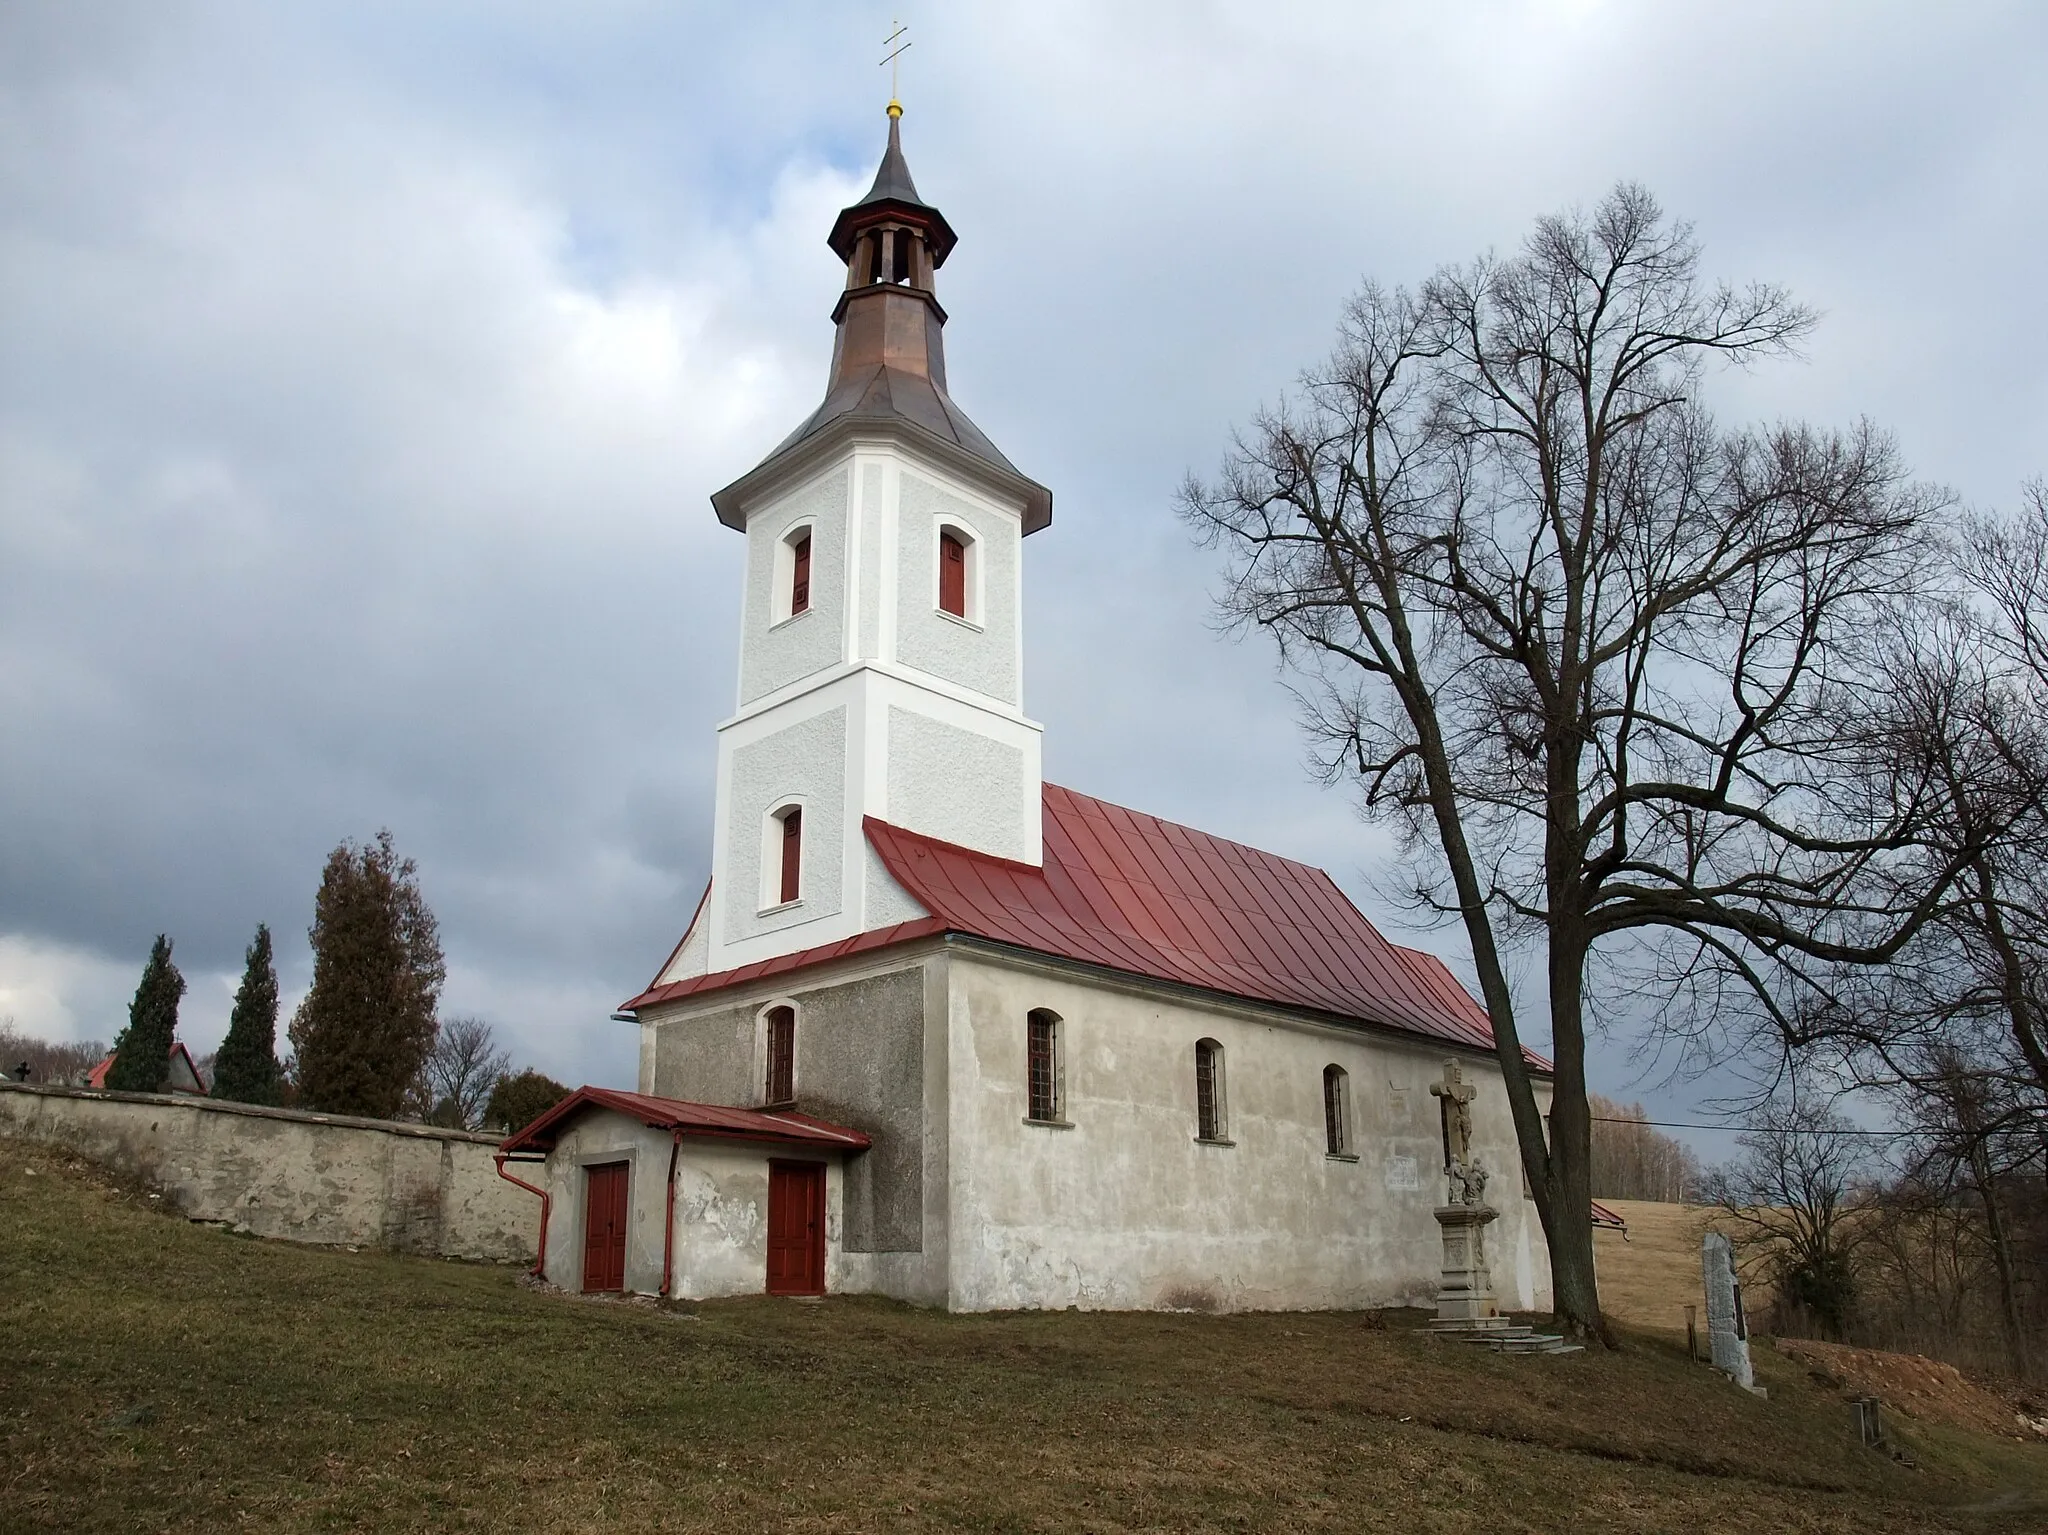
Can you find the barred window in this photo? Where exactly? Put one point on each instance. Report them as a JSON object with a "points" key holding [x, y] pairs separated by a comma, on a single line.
{"points": [[781, 1083], [1209, 1116], [1337, 1110], [1042, 1031]]}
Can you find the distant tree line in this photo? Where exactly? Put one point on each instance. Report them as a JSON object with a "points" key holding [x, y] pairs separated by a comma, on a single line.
{"points": [[1633, 1161]]}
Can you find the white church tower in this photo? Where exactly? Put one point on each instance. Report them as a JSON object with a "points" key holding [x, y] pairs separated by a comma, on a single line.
{"points": [[881, 642]]}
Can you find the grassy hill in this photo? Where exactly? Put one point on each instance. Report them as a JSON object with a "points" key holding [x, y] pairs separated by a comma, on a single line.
{"points": [[159, 1375]]}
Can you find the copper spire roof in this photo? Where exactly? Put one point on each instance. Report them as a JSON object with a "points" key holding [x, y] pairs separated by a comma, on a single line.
{"points": [[893, 191], [889, 357], [1130, 892]]}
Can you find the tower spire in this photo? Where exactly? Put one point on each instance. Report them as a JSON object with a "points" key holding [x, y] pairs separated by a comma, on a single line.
{"points": [[888, 351]]}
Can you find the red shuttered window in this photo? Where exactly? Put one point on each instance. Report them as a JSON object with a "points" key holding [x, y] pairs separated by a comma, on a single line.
{"points": [[792, 852], [781, 1084], [800, 577], [952, 575]]}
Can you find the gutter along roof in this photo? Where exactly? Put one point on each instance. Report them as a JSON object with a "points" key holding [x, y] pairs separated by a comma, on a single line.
{"points": [[709, 1121], [1132, 893]]}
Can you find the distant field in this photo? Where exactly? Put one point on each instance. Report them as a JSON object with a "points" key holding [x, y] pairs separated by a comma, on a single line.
{"points": [[161, 1376], [1649, 1279]]}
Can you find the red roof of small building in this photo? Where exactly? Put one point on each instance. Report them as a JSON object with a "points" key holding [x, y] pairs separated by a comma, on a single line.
{"points": [[97, 1077], [1133, 893], [703, 1120]]}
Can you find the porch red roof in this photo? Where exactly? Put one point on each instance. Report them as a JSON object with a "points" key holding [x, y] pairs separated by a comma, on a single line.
{"points": [[1133, 893], [708, 1120]]}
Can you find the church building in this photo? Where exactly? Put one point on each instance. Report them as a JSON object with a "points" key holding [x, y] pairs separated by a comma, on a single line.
{"points": [[941, 1030]]}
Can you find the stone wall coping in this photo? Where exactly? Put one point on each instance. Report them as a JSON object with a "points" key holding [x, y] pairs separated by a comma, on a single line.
{"points": [[257, 1111]]}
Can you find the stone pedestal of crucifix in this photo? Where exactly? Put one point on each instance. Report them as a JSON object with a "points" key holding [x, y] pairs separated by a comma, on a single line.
{"points": [[1465, 1293]]}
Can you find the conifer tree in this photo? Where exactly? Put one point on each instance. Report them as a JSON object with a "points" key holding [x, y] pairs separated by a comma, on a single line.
{"points": [[142, 1055], [246, 1069], [368, 1023]]}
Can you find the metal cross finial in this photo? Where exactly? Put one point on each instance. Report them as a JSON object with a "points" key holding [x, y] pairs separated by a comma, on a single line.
{"points": [[890, 58]]}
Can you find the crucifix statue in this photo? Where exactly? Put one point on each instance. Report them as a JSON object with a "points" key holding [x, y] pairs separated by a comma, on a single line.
{"points": [[1454, 1096]]}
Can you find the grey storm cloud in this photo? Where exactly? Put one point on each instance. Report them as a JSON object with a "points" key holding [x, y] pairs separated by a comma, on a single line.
{"points": [[364, 371]]}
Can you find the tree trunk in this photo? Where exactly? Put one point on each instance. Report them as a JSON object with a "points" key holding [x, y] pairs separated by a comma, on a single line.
{"points": [[1568, 1224]]}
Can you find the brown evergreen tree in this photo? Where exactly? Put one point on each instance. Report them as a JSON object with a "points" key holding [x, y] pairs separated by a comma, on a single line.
{"points": [[368, 1023]]}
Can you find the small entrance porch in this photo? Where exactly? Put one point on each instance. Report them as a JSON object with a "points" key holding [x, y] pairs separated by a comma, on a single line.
{"points": [[658, 1196]]}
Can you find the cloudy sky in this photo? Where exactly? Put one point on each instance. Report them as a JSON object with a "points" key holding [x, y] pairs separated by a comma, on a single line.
{"points": [[365, 368]]}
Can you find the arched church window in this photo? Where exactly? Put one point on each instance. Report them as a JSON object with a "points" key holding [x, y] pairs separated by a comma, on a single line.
{"points": [[800, 575], [791, 885], [952, 573], [1210, 1122], [1042, 1065], [780, 1085], [1337, 1110]]}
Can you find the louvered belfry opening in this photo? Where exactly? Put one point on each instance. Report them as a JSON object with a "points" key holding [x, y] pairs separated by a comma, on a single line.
{"points": [[781, 1083]]}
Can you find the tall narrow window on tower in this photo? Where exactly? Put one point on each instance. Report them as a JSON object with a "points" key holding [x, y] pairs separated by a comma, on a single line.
{"points": [[800, 576], [792, 852], [952, 574]]}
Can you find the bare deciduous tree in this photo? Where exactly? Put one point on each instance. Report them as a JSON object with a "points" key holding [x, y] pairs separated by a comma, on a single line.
{"points": [[1603, 661], [457, 1081], [1788, 1198]]}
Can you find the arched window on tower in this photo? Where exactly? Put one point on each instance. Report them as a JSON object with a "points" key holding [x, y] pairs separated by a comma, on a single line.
{"points": [[779, 1085], [1337, 1110], [800, 574], [792, 853], [952, 573], [1210, 1120]]}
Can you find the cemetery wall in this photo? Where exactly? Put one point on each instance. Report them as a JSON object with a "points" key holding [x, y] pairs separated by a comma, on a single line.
{"points": [[323, 1178]]}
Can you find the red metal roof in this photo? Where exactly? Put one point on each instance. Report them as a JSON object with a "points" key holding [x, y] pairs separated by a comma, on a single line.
{"points": [[1131, 892], [97, 1077], [1602, 1216], [710, 1120]]}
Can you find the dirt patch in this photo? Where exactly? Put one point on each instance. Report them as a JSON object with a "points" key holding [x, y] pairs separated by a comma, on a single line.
{"points": [[1912, 1384]]}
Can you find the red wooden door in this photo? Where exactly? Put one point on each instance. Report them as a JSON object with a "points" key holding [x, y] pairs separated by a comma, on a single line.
{"points": [[604, 1227], [796, 1228]]}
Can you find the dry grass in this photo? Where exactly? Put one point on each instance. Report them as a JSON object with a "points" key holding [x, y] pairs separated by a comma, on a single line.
{"points": [[166, 1376], [1648, 1280]]}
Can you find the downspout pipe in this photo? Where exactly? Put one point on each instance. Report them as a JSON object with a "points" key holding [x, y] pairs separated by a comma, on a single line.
{"points": [[668, 1220], [540, 1262]]}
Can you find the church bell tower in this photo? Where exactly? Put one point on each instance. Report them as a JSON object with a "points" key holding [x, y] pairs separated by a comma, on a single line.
{"points": [[881, 641]]}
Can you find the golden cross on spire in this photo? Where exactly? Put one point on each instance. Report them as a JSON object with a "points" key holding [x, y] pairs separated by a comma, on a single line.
{"points": [[895, 52]]}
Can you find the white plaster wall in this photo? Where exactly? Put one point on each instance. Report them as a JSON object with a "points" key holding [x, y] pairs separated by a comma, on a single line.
{"points": [[693, 954], [982, 656], [722, 1218], [1126, 1210], [772, 655], [872, 555], [884, 903], [957, 785], [806, 759]]}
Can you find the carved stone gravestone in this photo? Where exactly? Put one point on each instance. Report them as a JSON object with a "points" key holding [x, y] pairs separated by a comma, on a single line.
{"points": [[1727, 1331]]}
